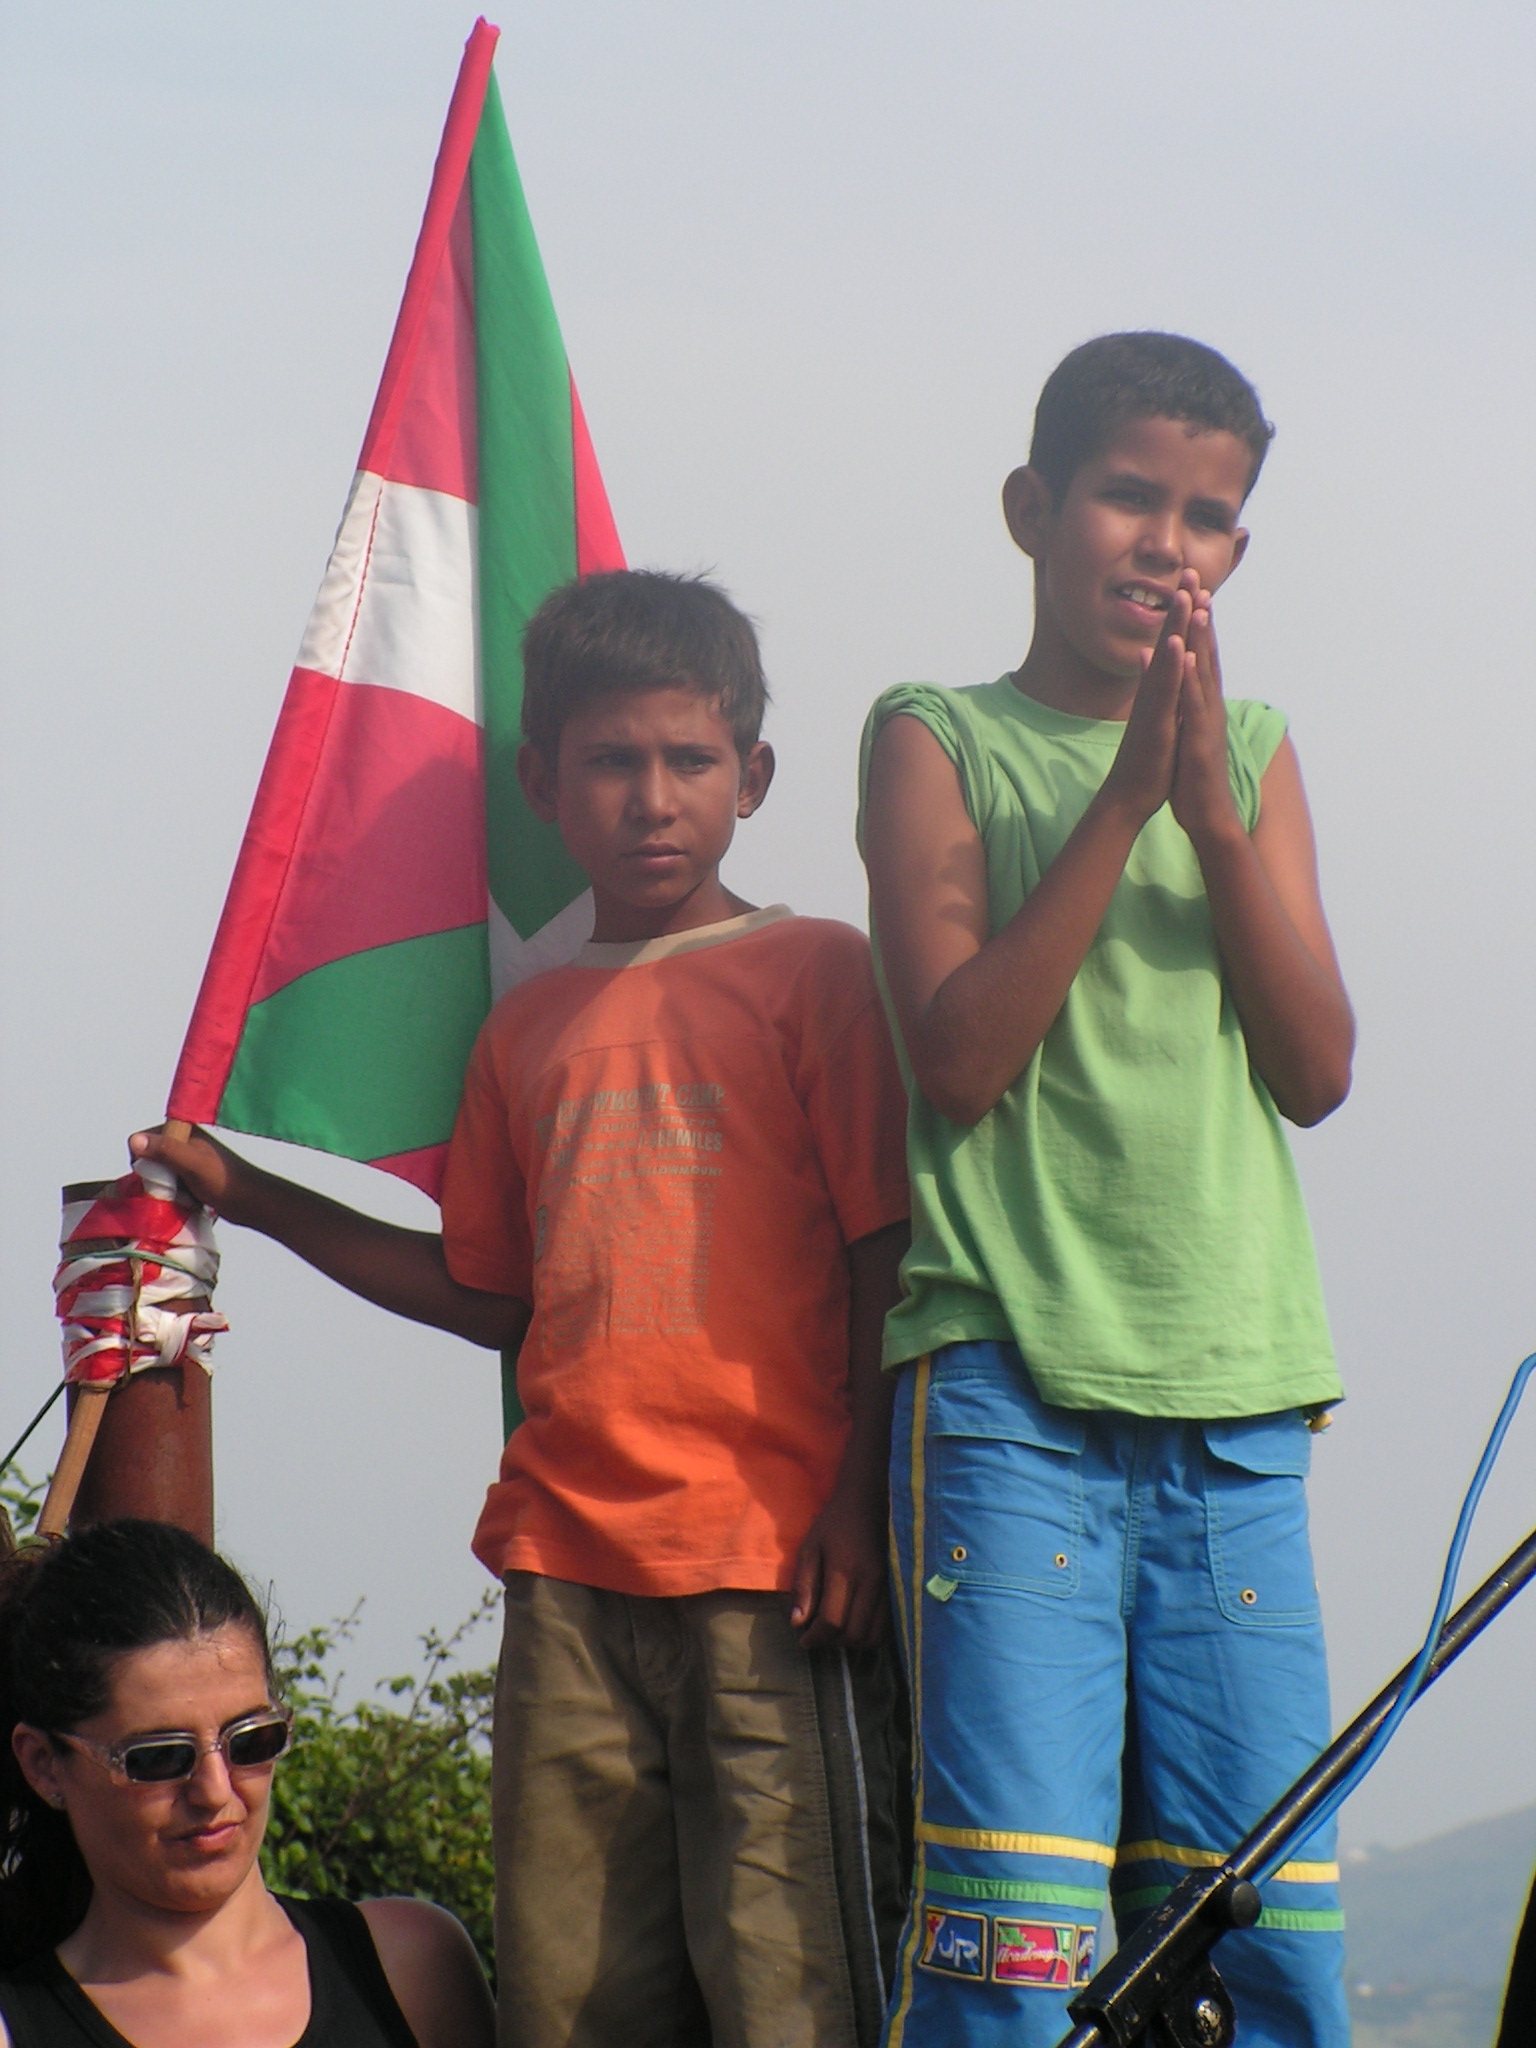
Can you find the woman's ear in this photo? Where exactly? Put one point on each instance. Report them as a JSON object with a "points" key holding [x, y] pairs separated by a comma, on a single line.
{"points": [[39, 1762], [1028, 508], [538, 780]]}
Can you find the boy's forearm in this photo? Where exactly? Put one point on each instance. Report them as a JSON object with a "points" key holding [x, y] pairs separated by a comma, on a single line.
{"points": [[839, 1589], [986, 1021], [973, 1005], [402, 1270], [874, 1264], [1295, 1014]]}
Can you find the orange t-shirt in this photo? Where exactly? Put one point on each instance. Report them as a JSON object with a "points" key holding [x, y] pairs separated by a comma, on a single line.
{"points": [[666, 1148]]}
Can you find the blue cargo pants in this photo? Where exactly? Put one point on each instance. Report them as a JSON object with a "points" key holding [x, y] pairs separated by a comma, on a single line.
{"points": [[1115, 1654]]}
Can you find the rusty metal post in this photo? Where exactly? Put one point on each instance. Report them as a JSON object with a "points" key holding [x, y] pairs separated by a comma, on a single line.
{"points": [[153, 1455]]}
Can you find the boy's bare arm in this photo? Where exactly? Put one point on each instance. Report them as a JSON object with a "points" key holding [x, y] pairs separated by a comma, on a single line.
{"points": [[1268, 913], [402, 1270], [972, 1009], [840, 1591]]}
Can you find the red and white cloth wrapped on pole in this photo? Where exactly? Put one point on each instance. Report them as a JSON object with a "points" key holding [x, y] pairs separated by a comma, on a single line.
{"points": [[136, 1278]]}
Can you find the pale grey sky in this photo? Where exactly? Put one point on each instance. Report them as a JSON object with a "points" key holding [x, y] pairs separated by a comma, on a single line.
{"points": [[812, 264]]}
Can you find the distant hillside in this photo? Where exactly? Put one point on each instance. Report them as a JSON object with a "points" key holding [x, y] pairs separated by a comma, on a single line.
{"points": [[1429, 1931]]}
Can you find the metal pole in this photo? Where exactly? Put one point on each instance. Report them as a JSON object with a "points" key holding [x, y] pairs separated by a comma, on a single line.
{"points": [[153, 1455]]}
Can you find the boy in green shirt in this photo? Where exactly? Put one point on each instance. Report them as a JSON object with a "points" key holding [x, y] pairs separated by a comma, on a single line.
{"points": [[1095, 901]]}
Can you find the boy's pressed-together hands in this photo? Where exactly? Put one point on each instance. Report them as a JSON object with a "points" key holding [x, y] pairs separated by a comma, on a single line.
{"points": [[1262, 886], [1175, 746], [1146, 762]]}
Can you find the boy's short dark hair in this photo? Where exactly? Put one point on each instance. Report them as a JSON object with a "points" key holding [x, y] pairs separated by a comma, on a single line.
{"points": [[1117, 378], [639, 629]]}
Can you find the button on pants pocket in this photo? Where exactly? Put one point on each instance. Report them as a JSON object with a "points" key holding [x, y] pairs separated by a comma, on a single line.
{"points": [[1007, 1515], [1260, 1554], [1005, 1477]]}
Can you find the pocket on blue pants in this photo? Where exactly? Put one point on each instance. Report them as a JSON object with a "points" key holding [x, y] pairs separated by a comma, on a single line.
{"points": [[1256, 1521], [1005, 1477]]}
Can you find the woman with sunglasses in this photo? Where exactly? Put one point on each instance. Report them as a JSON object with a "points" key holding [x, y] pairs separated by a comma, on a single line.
{"points": [[140, 1728]]}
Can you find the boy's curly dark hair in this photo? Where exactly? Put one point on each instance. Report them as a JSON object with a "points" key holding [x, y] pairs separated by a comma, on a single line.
{"points": [[639, 629], [68, 1611], [1117, 378]]}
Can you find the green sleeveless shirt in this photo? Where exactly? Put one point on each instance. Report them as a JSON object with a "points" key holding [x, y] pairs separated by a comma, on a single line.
{"points": [[1129, 1212]]}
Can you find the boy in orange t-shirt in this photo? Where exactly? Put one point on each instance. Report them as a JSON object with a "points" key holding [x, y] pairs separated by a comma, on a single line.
{"points": [[678, 1181]]}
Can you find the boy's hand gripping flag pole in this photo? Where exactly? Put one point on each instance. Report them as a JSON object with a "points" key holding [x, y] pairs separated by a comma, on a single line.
{"points": [[392, 880]]}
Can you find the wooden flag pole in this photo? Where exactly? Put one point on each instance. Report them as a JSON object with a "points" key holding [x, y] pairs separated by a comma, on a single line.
{"points": [[86, 1411]]}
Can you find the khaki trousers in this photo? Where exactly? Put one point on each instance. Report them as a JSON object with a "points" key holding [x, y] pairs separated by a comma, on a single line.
{"points": [[695, 1823]]}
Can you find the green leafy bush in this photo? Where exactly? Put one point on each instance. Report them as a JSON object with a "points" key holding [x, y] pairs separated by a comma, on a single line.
{"points": [[375, 1799], [21, 1502]]}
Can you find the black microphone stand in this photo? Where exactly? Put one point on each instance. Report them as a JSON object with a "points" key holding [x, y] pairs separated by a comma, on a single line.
{"points": [[1162, 1988]]}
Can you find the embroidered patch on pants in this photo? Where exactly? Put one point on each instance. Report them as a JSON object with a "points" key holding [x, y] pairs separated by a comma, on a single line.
{"points": [[1044, 1953], [954, 1943]]}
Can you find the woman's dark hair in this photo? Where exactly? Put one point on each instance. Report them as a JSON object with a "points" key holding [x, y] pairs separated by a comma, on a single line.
{"points": [[1116, 378], [68, 1611], [639, 629]]}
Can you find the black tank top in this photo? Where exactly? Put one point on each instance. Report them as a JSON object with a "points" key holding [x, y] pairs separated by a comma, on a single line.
{"points": [[350, 2002]]}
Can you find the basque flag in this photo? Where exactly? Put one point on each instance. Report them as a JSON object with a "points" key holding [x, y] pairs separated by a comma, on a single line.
{"points": [[392, 881]]}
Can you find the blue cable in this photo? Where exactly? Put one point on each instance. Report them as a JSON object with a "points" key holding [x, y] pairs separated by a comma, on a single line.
{"points": [[1413, 1684]]}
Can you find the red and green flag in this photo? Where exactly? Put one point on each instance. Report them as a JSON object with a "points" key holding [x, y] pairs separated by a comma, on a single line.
{"points": [[392, 880]]}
